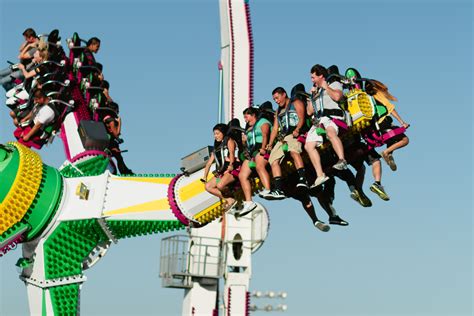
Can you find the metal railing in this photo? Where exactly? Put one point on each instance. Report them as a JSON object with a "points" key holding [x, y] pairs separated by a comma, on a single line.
{"points": [[183, 259]]}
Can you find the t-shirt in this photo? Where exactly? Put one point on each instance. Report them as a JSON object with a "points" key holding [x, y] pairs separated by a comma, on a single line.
{"points": [[324, 101], [255, 135], [44, 115]]}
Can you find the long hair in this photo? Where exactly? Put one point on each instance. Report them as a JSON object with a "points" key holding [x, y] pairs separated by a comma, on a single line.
{"points": [[374, 86], [43, 49]]}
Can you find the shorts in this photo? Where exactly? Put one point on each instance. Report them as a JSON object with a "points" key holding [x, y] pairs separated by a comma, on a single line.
{"points": [[313, 136], [277, 152], [326, 121], [371, 156], [387, 124]]}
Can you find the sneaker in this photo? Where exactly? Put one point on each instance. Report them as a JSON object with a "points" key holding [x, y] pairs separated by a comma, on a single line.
{"points": [[320, 180], [249, 206], [390, 161], [340, 165], [322, 226], [263, 193], [355, 195], [274, 195], [364, 200], [378, 189], [302, 185], [336, 220]]}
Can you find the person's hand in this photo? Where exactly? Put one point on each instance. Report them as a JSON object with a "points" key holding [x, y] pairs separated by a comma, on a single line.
{"points": [[229, 169], [21, 66], [26, 138], [296, 133], [405, 125], [269, 147], [313, 89], [262, 151]]}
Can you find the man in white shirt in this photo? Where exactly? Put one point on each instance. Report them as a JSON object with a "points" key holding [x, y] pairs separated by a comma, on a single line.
{"points": [[42, 114]]}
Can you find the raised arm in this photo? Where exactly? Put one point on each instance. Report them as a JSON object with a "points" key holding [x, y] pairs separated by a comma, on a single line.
{"points": [[397, 116], [334, 93]]}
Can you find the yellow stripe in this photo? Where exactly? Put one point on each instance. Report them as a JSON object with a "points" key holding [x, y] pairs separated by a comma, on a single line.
{"points": [[24, 188], [145, 179], [191, 190], [207, 209], [157, 205]]}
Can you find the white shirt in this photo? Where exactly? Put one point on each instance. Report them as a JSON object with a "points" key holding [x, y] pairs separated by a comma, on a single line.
{"points": [[44, 116]]}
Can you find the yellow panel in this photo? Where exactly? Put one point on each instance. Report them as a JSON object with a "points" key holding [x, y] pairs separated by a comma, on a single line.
{"points": [[24, 188], [157, 205]]}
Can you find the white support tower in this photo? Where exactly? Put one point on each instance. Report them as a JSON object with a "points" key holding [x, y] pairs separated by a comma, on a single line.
{"points": [[236, 57]]}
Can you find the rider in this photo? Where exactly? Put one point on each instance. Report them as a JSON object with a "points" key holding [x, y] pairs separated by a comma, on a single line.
{"points": [[257, 136], [27, 50], [226, 161], [288, 125], [326, 97], [42, 114], [113, 124], [381, 95]]}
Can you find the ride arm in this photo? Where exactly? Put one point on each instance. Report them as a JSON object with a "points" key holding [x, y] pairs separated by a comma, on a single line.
{"points": [[299, 107], [274, 133], [397, 116], [265, 132], [207, 168]]}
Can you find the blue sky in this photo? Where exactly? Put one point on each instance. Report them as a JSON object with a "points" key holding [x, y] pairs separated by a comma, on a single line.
{"points": [[409, 256]]}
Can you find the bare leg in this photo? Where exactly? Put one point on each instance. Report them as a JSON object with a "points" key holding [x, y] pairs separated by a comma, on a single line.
{"points": [[211, 187], [377, 170], [402, 143], [262, 171], [297, 159], [276, 169], [244, 174], [335, 142], [313, 154]]}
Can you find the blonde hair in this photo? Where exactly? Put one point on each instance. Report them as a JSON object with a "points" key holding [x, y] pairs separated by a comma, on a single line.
{"points": [[43, 49], [375, 87]]}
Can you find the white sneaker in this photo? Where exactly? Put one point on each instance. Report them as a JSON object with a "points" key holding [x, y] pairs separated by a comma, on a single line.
{"points": [[249, 206], [320, 180], [263, 193]]}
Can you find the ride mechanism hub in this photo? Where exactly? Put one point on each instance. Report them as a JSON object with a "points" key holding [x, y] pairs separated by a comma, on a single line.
{"points": [[24, 208]]}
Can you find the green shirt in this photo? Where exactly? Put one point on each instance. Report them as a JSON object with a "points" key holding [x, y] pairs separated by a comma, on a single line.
{"points": [[255, 136]]}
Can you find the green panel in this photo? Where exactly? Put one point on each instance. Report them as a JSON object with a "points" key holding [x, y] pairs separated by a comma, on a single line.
{"points": [[92, 167], [8, 170], [381, 110], [43, 307], [68, 246], [46, 202], [65, 299], [125, 229]]}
